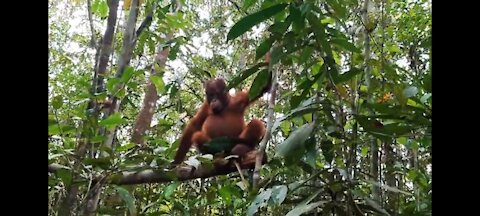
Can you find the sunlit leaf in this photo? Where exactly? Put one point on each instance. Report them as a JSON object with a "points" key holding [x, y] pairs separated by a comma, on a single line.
{"points": [[246, 23]]}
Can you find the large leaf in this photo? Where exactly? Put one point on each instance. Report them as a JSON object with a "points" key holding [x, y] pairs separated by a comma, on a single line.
{"points": [[127, 74], [259, 201], [410, 91], [113, 120], [295, 140], [304, 208], [375, 206], [345, 44], [244, 75], [128, 198], [338, 7], [382, 131], [259, 83], [347, 75], [293, 113], [168, 191], [263, 48], [279, 192], [246, 23], [227, 192], [307, 85]]}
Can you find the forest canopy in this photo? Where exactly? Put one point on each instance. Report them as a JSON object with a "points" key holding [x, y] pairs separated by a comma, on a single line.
{"points": [[348, 116]]}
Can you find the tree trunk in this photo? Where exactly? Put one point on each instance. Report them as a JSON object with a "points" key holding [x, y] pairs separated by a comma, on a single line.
{"points": [[390, 177], [103, 54]]}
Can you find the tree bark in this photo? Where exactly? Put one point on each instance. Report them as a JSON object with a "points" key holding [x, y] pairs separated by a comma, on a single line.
{"points": [[97, 86]]}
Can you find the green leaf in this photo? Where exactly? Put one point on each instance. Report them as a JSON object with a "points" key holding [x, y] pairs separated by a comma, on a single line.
{"points": [[246, 23], [338, 8], [263, 48], [345, 44], [100, 8], [111, 83], [113, 120], [226, 192], [364, 151], [57, 102], [98, 139], [244, 75], [126, 147], [399, 95], [425, 97], [279, 192], [259, 201], [127, 74], [394, 49], [276, 55], [295, 140], [327, 150], [279, 27], [306, 54], [60, 129], [427, 82], [304, 207], [373, 126], [168, 191], [103, 162], [248, 3], [321, 38], [410, 91], [65, 175], [294, 113], [347, 76], [159, 84], [260, 83], [297, 19], [128, 198], [305, 8], [307, 85]]}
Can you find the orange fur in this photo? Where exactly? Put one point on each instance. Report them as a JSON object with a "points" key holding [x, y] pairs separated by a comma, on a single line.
{"points": [[221, 115]]}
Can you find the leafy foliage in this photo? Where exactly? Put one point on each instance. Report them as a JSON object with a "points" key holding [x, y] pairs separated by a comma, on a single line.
{"points": [[350, 101]]}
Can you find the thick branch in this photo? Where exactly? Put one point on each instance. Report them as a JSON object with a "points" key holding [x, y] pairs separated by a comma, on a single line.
{"points": [[180, 173]]}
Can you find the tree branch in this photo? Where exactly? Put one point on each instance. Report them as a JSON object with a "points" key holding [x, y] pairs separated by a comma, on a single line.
{"points": [[268, 134], [90, 19], [55, 167], [179, 173], [146, 22]]}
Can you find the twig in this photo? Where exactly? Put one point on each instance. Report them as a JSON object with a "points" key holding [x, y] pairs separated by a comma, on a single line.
{"points": [[90, 19]]}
